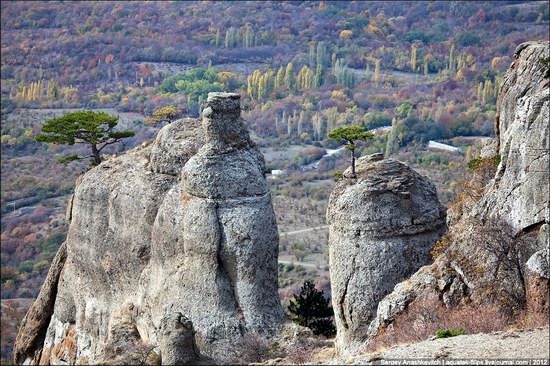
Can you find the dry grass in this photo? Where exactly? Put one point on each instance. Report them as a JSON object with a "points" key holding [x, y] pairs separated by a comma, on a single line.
{"points": [[423, 318]]}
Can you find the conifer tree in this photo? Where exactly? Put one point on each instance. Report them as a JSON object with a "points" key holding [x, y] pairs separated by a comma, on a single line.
{"points": [[310, 309], [349, 135], [95, 129]]}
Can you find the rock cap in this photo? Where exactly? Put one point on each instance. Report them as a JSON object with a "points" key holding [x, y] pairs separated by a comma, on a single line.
{"points": [[223, 102]]}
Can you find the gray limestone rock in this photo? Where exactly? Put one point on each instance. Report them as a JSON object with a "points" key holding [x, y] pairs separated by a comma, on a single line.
{"points": [[174, 145], [520, 188], [382, 227], [511, 217], [538, 264], [177, 343], [33, 326], [144, 244]]}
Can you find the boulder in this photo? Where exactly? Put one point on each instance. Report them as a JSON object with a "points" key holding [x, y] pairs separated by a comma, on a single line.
{"points": [[382, 227], [177, 343]]}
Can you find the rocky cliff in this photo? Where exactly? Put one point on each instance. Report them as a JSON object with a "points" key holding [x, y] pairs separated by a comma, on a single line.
{"points": [[165, 240], [382, 227], [494, 260]]}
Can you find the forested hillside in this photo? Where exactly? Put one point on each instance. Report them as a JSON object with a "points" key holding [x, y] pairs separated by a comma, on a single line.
{"points": [[429, 70]]}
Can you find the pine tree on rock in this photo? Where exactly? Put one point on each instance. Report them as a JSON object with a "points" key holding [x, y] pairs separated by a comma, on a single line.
{"points": [[83, 127], [349, 135]]}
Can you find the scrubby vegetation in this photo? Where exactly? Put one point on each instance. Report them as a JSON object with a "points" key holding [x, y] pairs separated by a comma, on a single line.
{"points": [[446, 333]]}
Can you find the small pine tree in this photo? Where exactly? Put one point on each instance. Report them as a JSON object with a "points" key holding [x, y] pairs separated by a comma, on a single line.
{"points": [[311, 309], [349, 135]]}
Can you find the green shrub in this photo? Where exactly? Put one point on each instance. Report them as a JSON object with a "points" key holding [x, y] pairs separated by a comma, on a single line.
{"points": [[337, 175], [446, 333], [481, 163]]}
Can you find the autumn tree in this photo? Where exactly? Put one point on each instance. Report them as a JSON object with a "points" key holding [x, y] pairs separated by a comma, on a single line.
{"points": [[95, 129], [279, 79], [376, 70], [290, 78], [349, 135], [305, 77], [164, 114]]}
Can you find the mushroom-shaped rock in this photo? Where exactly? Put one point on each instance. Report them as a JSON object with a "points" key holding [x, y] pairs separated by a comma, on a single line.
{"points": [[382, 227]]}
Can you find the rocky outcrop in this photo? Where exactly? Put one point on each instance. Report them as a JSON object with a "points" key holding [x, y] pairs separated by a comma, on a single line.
{"points": [[177, 343], [34, 324], [484, 260], [174, 145], [382, 227], [164, 229], [537, 280], [519, 190]]}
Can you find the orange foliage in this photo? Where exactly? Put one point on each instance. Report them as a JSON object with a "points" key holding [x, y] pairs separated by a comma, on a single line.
{"points": [[109, 58]]}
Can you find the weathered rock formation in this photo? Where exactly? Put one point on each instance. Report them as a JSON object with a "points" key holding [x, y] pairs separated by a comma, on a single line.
{"points": [[486, 260], [537, 283], [144, 245], [382, 228], [177, 343]]}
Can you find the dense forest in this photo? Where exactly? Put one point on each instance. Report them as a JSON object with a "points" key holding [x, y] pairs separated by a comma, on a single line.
{"points": [[430, 70]]}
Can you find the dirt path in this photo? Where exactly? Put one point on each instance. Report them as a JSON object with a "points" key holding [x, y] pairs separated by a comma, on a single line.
{"points": [[297, 263], [323, 227], [512, 344]]}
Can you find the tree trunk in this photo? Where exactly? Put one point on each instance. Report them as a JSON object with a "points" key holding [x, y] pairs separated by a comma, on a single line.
{"points": [[95, 152], [353, 163]]}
